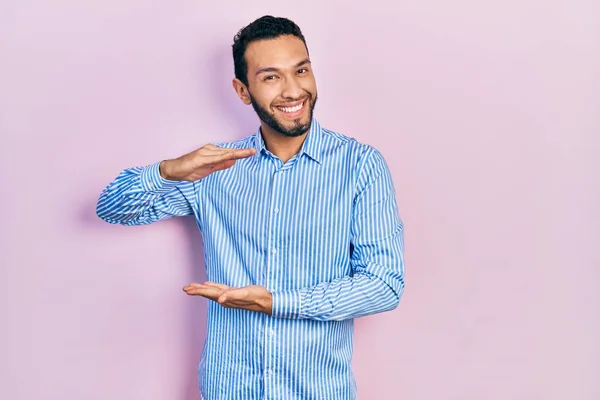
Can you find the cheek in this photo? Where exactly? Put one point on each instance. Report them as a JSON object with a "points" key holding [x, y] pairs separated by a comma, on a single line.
{"points": [[266, 95], [310, 86]]}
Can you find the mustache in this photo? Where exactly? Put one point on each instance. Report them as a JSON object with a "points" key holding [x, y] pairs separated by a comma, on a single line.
{"points": [[292, 101]]}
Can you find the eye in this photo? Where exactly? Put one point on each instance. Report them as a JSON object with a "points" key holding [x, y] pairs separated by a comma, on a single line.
{"points": [[302, 71], [270, 77]]}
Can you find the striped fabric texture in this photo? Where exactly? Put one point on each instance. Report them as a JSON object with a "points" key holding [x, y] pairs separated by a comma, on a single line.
{"points": [[321, 232]]}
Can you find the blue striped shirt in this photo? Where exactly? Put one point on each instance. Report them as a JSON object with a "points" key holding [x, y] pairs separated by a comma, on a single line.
{"points": [[321, 232]]}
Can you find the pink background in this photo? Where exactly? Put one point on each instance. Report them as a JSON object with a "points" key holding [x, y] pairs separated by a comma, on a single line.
{"points": [[487, 112]]}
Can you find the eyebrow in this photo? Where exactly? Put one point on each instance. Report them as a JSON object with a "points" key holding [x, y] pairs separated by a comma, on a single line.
{"points": [[273, 69]]}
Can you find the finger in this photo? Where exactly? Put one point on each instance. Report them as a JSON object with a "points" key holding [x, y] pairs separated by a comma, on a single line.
{"points": [[237, 154], [211, 293], [199, 286], [217, 285], [247, 152], [214, 148], [229, 155], [193, 286]]}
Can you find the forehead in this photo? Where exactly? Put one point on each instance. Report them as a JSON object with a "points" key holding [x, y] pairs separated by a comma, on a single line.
{"points": [[281, 52]]}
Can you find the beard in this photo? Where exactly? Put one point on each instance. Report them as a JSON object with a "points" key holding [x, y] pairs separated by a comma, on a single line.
{"points": [[269, 118]]}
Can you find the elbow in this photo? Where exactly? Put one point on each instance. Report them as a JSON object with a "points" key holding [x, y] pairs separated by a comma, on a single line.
{"points": [[393, 294], [108, 215], [396, 286], [397, 296], [105, 217], [102, 212]]}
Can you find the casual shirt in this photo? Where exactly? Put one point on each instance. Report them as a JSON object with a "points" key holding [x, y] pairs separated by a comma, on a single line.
{"points": [[321, 232]]}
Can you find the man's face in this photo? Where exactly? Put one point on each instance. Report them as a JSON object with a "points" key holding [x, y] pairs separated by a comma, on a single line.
{"points": [[281, 84]]}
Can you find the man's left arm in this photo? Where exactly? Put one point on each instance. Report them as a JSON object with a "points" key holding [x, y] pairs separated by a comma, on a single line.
{"points": [[377, 282]]}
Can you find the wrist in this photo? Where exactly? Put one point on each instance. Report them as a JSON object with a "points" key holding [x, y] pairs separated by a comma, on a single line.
{"points": [[153, 180], [267, 303], [164, 171]]}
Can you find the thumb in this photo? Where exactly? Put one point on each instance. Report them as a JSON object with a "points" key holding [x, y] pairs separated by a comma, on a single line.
{"points": [[234, 294]]}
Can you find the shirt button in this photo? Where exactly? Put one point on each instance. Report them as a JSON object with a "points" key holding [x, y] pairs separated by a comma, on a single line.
{"points": [[272, 332], [276, 210], [269, 372], [273, 250]]}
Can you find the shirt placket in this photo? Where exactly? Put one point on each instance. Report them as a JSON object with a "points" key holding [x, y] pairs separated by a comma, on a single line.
{"points": [[273, 269], [273, 261]]}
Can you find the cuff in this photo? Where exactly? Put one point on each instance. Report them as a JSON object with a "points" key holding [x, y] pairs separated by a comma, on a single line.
{"points": [[153, 182], [287, 304]]}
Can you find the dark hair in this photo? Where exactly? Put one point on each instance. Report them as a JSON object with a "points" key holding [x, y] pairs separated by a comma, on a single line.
{"points": [[266, 27]]}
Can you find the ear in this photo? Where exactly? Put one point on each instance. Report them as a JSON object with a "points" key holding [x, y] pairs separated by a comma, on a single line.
{"points": [[241, 90]]}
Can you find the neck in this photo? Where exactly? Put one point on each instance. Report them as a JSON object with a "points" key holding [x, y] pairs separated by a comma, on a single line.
{"points": [[284, 147]]}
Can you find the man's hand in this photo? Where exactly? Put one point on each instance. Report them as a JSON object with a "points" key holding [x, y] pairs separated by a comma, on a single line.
{"points": [[201, 163], [253, 298]]}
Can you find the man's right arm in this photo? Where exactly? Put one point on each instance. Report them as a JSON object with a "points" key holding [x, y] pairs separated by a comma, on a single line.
{"points": [[140, 196], [166, 189]]}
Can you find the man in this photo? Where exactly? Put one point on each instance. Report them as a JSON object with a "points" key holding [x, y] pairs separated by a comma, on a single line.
{"points": [[300, 228]]}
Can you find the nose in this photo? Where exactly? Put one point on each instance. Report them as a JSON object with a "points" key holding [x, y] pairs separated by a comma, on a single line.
{"points": [[292, 89]]}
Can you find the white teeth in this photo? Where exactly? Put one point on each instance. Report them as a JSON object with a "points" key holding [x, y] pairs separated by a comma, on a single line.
{"points": [[292, 109]]}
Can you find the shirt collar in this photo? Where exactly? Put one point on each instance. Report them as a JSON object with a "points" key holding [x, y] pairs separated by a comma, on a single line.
{"points": [[311, 146]]}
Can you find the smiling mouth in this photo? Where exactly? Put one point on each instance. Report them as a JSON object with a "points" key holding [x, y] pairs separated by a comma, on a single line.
{"points": [[293, 109]]}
